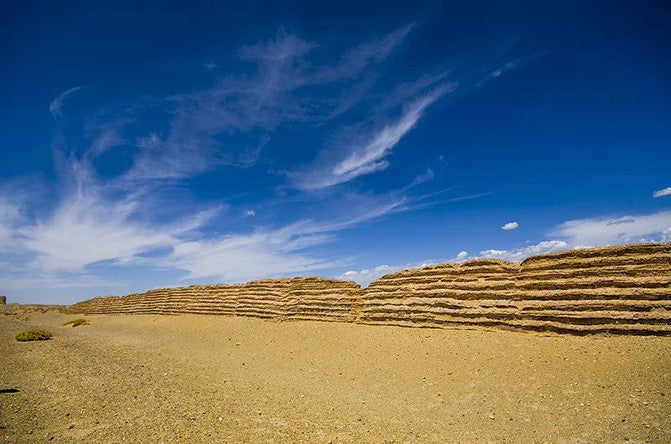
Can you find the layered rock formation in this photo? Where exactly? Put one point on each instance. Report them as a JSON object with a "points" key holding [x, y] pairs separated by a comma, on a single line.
{"points": [[624, 289]]}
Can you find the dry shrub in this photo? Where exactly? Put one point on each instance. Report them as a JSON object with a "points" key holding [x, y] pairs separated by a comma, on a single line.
{"points": [[77, 322], [34, 334]]}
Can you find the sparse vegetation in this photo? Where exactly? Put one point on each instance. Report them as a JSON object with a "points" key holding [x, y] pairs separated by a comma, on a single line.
{"points": [[77, 322], [34, 334]]}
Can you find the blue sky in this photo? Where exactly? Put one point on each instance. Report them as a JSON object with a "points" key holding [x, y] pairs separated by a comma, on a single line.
{"points": [[173, 143]]}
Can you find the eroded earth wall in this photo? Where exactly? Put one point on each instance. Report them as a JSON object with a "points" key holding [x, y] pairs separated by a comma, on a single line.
{"points": [[625, 289], [616, 289], [298, 298]]}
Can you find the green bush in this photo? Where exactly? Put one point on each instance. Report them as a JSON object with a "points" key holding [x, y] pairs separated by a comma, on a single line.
{"points": [[77, 322], [34, 334]]}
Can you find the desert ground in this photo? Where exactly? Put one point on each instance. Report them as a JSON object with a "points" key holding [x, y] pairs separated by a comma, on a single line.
{"points": [[201, 378]]}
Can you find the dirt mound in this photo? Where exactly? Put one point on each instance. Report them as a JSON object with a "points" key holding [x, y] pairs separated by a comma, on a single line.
{"points": [[625, 289]]}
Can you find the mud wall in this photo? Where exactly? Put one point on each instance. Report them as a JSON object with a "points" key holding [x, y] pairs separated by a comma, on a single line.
{"points": [[617, 289], [282, 299], [624, 289]]}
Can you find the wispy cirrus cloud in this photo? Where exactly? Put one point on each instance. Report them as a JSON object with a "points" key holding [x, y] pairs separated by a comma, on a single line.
{"points": [[245, 110], [364, 149], [369, 156], [56, 106]]}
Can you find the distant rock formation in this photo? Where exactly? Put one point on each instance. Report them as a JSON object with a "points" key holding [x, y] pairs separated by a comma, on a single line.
{"points": [[625, 289], [3, 300]]}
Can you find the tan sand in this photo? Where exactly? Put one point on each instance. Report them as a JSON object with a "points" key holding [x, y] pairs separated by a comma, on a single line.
{"points": [[201, 378]]}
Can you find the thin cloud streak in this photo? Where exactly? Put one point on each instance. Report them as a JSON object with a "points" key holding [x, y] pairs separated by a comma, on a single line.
{"points": [[56, 106], [370, 156]]}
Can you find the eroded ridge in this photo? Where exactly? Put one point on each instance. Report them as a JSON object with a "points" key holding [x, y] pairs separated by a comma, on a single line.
{"points": [[625, 289]]}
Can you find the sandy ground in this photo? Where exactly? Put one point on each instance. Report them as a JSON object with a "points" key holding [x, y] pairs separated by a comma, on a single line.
{"points": [[197, 378]]}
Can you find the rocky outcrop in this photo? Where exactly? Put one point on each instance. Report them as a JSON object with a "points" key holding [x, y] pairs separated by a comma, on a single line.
{"points": [[3, 300], [624, 289]]}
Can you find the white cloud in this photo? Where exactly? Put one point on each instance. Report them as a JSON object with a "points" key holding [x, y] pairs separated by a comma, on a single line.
{"points": [[367, 275], [367, 53], [56, 106], [510, 226], [421, 178], [369, 157], [595, 232], [663, 192], [250, 213], [87, 230], [238, 258], [615, 230], [272, 252], [96, 222], [519, 254], [573, 234]]}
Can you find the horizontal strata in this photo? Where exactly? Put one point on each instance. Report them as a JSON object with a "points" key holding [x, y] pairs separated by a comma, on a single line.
{"points": [[624, 289]]}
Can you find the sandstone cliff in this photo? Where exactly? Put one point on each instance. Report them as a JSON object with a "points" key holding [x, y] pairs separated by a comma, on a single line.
{"points": [[625, 289]]}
